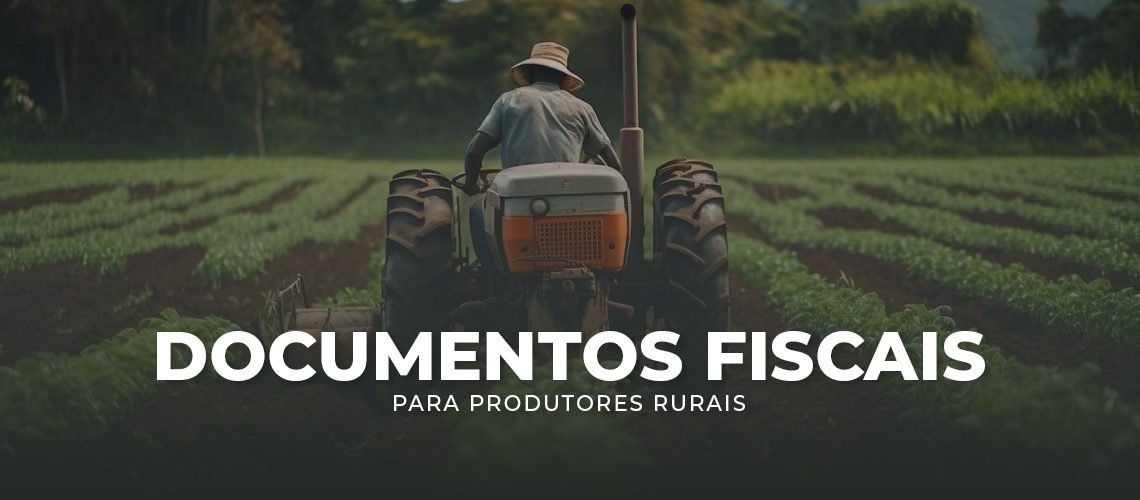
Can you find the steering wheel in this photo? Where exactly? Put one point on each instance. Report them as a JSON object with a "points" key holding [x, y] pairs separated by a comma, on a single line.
{"points": [[460, 181]]}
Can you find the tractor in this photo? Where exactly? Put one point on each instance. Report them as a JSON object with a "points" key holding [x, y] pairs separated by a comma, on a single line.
{"points": [[569, 248]]}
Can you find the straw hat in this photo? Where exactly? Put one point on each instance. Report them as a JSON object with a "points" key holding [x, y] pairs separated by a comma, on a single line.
{"points": [[550, 55]]}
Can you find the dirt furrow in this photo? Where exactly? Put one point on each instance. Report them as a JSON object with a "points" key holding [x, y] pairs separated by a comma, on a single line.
{"points": [[235, 189], [848, 218], [351, 197], [68, 195], [188, 226], [775, 193], [281, 196], [988, 218], [139, 192]]}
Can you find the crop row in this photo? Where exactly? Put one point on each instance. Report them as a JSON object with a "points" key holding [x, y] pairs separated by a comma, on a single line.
{"points": [[1003, 178], [1052, 195], [28, 179], [1092, 224], [1071, 303], [54, 396], [957, 231], [1113, 176], [238, 241], [835, 189], [1036, 407], [106, 250], [103, 211], [1116, 177], [238, 246]]}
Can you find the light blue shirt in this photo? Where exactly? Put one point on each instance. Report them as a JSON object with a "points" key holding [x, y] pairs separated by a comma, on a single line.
{"points": [[541, 123]]}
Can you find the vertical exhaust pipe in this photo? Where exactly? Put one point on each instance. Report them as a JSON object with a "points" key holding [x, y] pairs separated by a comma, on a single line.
{"points": [[632, 140]]}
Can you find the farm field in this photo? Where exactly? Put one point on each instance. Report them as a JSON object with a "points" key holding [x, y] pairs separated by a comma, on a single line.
{"points": [[1041, 256]]}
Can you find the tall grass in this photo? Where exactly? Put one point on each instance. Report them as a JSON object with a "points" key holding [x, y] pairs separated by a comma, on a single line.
{"points": [[907, 103]]}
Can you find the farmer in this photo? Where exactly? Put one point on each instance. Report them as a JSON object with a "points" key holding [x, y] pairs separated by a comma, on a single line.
{"points": [[540, 121]]}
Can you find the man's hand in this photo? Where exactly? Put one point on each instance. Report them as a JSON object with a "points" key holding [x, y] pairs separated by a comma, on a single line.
{"points": [[471, 188], [473, 160], [609, 157]]}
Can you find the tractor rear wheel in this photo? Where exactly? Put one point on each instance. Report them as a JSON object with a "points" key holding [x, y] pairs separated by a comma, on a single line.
{"points": [[691, 235], [418, 280]]}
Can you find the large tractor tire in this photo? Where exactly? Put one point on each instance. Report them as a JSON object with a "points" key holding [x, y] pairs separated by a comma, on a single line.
{"points": [[691, 235], [419, 269]]}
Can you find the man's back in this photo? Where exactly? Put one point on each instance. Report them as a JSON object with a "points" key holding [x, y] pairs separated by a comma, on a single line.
{"points": [[541, 123]]}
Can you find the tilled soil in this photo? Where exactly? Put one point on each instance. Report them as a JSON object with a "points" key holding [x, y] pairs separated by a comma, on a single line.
{"points": [[776, 193], [155, 189], [69, 195], [859, 219], [235, 189], [281, 196], [352, 196], [62, 309]]}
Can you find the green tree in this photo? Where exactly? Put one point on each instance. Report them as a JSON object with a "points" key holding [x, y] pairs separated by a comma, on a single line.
{"points": [[253, 32], [939, 31], [1113, 42], [830, 24], [1055, 35], [63, 23], [394, 73], [20, 115]]}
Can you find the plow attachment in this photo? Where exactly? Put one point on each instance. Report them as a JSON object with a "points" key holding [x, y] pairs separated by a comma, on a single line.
{"points": [[289, 310]]}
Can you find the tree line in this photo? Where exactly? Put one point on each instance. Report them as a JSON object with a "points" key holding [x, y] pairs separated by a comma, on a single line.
{"points": [[400, 77]]}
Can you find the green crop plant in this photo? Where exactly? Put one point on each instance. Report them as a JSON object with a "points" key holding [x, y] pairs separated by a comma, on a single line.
{"points": [[962, 233], [1050, 195], [106, 251], [1038, 408], [1093, 224], [102, 232], [835, 189], [1089, 308], [102, 212], [53, 396]]}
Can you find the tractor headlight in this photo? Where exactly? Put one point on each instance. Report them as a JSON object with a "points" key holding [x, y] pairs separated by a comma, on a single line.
{"points": [[539, 206]]}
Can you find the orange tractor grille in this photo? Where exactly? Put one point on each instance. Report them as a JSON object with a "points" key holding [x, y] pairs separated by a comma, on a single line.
{"points": [[577, 238], [536, 243]]}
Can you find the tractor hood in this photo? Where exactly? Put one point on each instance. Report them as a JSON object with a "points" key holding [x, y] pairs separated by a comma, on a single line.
{"points": [[554, 179]]}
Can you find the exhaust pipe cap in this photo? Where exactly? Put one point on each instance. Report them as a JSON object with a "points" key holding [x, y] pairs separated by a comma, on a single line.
{"points": [[628, 11]]}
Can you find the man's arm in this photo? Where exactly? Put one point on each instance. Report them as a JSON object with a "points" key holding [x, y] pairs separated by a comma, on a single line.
{"points": [[473, 160], [596, 143], [609, 157]]}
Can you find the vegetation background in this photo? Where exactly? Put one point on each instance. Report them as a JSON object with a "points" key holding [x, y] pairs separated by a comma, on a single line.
{"points": [[399, 78], [1042, 255]]}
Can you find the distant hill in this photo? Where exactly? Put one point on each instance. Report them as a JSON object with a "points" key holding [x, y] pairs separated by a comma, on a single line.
{"points": [[1011, 26]]}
